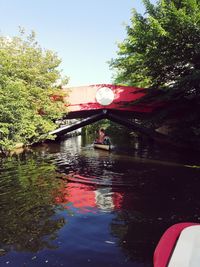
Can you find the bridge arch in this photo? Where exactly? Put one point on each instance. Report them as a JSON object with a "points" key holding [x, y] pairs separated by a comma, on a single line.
{"points": [[105, 101]]}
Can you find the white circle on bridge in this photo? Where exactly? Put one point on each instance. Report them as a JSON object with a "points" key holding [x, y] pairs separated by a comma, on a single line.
{"points": [[104, 96]]}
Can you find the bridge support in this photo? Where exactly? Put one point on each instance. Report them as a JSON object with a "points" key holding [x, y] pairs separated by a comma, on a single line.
{"points": [[69, 128], [105, 114], [129, 124], [136, 127]]}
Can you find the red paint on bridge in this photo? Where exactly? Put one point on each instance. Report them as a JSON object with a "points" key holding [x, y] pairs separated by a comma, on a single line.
{"points": [[83, 98]]}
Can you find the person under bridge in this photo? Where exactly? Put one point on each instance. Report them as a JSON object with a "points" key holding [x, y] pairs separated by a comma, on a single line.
{"points": [[102, 138]]}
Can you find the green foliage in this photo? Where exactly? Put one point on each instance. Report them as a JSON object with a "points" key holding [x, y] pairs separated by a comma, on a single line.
{"points": [[162, 52], [112, 129], [94, 127], [28, 78]]}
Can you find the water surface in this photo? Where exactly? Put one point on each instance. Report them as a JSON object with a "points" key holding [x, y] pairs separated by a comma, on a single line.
{"points": [[66, 204]]}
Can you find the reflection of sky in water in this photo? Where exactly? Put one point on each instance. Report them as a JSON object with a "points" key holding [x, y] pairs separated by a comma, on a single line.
{"points": [[73, 145]]}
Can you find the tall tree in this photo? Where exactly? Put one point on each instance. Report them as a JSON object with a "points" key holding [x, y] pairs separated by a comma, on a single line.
{"points": [[162, 52], [29, 76]]}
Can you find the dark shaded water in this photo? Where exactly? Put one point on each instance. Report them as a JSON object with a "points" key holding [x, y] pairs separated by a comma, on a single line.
{"points": [[67, 204]]}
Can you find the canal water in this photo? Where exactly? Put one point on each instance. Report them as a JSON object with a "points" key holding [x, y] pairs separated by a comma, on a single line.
{"points": [[66, 204]]}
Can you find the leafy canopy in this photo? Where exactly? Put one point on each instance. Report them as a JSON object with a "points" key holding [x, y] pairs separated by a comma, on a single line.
{"points": [[162, 52], [29, 77]]}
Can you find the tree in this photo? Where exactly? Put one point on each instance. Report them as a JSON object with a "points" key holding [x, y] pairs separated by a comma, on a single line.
{"points": [[162, 52], [28, 78]]}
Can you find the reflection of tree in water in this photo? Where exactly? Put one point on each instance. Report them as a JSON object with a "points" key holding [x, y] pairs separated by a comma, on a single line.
{"points": [[27, 205], [153, 204], [137, 237]]}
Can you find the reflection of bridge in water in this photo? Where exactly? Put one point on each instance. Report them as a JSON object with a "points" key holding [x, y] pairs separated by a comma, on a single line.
{"points": [[96, 102]]}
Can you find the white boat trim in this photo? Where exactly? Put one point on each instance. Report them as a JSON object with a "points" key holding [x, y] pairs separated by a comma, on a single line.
{"points": [[187, 249], [102, 146]]}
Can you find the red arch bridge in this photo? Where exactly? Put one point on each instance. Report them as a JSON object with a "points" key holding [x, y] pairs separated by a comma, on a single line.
{"points": [[105, 101]]}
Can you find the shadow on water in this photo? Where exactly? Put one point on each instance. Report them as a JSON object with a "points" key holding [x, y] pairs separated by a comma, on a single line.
{"points": [[66, 204]]}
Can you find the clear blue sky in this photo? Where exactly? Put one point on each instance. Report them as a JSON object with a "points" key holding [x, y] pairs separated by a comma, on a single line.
{"points": [[84, 33]]}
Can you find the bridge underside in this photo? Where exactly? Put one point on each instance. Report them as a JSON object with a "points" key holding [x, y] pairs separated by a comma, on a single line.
{"points": [[124, 114], [107, 114]]}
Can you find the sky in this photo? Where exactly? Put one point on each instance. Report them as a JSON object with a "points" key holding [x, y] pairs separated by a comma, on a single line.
{"points": [[84, 33]]}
